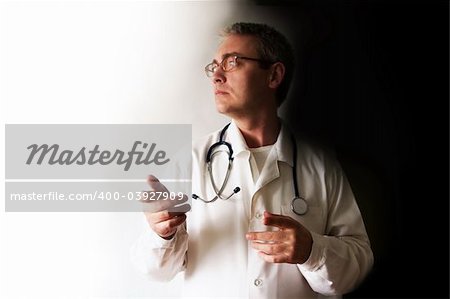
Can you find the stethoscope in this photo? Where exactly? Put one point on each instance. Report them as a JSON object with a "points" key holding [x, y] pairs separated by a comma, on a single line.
{"points": [[298, 204]]}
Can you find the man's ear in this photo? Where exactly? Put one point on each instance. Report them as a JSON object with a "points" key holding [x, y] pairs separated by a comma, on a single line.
{"points": [[277, 71]]}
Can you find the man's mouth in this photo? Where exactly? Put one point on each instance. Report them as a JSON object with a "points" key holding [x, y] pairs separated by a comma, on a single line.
{"points": [[220, 92]]}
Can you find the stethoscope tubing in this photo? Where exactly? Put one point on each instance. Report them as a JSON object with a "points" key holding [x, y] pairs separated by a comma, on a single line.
{"points": [[298, 204]]}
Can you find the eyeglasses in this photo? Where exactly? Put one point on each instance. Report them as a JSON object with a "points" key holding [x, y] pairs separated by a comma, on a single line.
{"points": [[229, 63]]}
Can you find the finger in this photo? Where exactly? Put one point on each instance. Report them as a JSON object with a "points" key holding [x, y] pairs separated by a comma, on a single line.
{"points": [[155, 184], [152, 196], [162, 216], [168, 227], [159, 206], [278, 258], [276, 236], [154, 206], [151, 178], [272, 249], [182, 199], [279, 220], [183, 208], [165, 199], [156, 203]]}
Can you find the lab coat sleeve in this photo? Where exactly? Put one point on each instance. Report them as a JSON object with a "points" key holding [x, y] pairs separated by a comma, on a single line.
{"points": [[342, 257], [157, 258]]}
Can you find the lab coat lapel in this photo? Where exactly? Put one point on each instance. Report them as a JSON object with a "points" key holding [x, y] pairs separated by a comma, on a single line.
{"points": [[282, 151], [269, 172]]}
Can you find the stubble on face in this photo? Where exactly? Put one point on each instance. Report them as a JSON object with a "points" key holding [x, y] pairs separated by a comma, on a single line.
{"points": [[241, 91]]}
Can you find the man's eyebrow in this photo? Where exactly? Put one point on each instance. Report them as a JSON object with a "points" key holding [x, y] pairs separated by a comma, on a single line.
{"points": [[229, 54]]}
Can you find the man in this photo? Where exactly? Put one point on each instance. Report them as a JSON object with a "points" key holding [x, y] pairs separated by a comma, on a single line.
{"points": [[284, 222]]}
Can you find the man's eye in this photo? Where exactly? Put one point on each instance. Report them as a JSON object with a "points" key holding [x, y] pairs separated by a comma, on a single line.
{"points": [[231, 62]]}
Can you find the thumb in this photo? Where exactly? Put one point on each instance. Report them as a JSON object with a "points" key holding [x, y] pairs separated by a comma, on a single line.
{"points": [[155, 184], [279, 221], [151, 178]]}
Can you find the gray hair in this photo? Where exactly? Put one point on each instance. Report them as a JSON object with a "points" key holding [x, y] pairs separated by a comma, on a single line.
{"points": [[273, 46]]}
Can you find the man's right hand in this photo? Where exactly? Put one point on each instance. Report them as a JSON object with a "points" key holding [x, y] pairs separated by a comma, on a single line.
{"points": [[164, 215]]}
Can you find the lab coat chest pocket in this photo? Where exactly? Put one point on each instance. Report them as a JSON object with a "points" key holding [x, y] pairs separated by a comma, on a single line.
{"points": [[313, 219]]}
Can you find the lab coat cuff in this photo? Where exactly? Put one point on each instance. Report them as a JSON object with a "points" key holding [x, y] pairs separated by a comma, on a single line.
{"points": [[157, 242], [317, 256]]}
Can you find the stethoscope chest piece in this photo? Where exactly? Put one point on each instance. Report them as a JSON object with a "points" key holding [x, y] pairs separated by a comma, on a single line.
{"points": [[299, 206]]}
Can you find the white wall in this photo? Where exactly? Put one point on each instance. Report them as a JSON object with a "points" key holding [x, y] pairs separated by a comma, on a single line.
{"points": [[101, 62]]}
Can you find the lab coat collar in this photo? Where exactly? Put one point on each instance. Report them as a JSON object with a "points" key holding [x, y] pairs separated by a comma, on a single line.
{"points": [[283, 145], [236, 139]]}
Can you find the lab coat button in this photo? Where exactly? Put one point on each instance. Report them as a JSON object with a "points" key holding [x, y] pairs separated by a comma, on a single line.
{"points": [[258, 215], [258, 282]]}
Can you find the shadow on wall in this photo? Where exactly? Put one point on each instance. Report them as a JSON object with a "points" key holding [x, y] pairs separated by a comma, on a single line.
{"points": [[335, 100], [368, 73]]}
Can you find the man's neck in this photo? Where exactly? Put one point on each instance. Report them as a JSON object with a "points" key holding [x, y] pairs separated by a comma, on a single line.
{"points": [[259, 132]]}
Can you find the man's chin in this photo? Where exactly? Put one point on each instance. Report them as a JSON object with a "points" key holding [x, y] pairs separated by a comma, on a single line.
{"points": [[221, 110], [221, 107], [224, 108]]}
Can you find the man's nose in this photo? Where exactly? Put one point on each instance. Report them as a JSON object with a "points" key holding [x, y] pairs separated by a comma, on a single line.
{"points": [[219, 76]]}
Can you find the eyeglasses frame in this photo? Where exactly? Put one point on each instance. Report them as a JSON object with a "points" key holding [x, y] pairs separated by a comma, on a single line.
{"points": [[210, 72]]}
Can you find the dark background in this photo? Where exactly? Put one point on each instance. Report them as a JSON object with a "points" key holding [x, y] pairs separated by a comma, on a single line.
{"points": [[372, 84]]}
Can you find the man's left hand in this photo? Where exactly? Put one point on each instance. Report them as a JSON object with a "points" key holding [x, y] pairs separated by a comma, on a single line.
{"points": [[292, 243]]}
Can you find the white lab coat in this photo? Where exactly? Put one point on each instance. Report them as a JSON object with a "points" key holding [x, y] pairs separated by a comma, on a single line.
{"points": [[215, 256]]}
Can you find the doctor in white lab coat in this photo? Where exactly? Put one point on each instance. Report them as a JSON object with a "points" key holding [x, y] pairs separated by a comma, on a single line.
{"points": [[254, 244]]}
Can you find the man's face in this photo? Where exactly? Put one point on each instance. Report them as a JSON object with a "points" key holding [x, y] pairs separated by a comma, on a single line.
{"points": [[244, 89]]}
